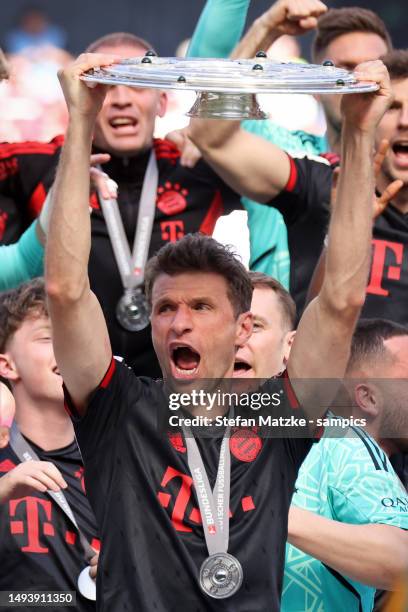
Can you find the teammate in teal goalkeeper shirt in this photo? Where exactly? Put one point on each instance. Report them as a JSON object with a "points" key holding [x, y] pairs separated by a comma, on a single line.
{"points": [[349, 480]]}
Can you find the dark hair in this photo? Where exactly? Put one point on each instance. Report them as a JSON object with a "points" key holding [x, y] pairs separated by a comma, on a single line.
{"points": [[397, 63], [117, 39], [368, 340], [27, 301], [200, 253], [287, 303], [337, 22]]}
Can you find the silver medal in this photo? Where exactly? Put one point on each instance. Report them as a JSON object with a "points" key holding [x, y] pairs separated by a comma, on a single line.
{"points": [[221, 575], [132, 310], [87, 585]]}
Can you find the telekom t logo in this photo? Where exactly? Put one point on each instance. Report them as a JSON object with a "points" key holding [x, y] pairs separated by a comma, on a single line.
{"points": [[183, 498], [33, 522], [378, 265], [172, 230]]}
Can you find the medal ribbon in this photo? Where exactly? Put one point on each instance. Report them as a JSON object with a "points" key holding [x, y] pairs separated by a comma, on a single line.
{"points": [[214, 504], [132, 266], [25, 453]]}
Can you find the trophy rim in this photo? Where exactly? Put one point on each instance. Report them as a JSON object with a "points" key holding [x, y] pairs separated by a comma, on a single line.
{"points": [[252, 76]]}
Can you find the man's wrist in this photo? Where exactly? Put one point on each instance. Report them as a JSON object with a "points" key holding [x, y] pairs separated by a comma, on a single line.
{"points": [[267, 30], [79, 122], [361, 135]]}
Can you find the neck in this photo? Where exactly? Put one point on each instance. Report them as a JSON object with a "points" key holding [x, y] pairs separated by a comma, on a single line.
{"points": [[388, 446], [400, 200], [43, 422]]}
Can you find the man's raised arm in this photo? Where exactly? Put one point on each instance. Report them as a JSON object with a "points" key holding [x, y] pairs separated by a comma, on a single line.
{"points": [[248, 163], [322, 344], [80, 337]]}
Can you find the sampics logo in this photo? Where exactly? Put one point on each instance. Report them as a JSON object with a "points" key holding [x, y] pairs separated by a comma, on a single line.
{"points": [[398, 503]]}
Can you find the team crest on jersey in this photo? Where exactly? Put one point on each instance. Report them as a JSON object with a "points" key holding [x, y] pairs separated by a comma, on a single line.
{"points": [[176, 440], [171, 198], [245, 444]]}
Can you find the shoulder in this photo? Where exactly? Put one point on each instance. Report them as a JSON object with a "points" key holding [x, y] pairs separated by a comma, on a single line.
{"points": [[10, 149], [354, 453]]}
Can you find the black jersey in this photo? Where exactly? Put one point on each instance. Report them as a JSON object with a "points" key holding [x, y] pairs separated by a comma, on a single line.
{"points": [[27, 170], [140, 487], [304, 203], [39, 546], [188, 200]]}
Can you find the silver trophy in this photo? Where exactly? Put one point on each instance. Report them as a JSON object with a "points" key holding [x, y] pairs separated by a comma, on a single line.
{"points": [[227, 88]]}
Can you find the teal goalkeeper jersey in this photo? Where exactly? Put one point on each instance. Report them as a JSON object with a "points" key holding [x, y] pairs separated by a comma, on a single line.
{"points": [[351, 480]]}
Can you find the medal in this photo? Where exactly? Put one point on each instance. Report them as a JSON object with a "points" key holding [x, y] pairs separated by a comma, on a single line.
{"points": [[87, 585], [133, 311], [221, 576]]}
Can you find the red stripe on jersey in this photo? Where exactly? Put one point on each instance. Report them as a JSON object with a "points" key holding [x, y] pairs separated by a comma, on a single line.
{"points": [[291, 395], [108, 376], [214, 212], [293, 175], [69, 404], [37, 199], [28, 148]]}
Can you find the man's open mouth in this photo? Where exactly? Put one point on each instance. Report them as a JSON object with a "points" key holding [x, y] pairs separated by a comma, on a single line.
{"points": [[122, 123], [400, 150], [185, 360], [241, 368]]}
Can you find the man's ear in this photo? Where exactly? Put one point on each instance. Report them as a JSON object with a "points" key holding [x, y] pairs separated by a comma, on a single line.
{"points": [[7, 367], [288, 341], [244, 328], [368, 398], [162, 105]]}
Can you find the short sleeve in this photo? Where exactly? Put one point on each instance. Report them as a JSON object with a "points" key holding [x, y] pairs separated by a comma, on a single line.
{"points": [[96, 430], [296, 434], [307, 190], [363, 487]]}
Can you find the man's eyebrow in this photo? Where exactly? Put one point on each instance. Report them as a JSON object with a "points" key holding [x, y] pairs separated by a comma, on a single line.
{"points": [[259, 319], [44, 326]]}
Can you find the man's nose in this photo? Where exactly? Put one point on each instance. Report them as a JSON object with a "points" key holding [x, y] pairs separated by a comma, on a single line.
{"points": [[403, 118], [121, 96], [182, 321]]}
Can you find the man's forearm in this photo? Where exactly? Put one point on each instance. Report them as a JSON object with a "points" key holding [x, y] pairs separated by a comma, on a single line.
{"points": [[349, 245], [68, 244], [373, 554], [258, 38]]}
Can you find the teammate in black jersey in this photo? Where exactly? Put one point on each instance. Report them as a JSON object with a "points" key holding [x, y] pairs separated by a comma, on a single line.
{"points": [[39, 547], [300, 190], [188, 200], [138, 480]]}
